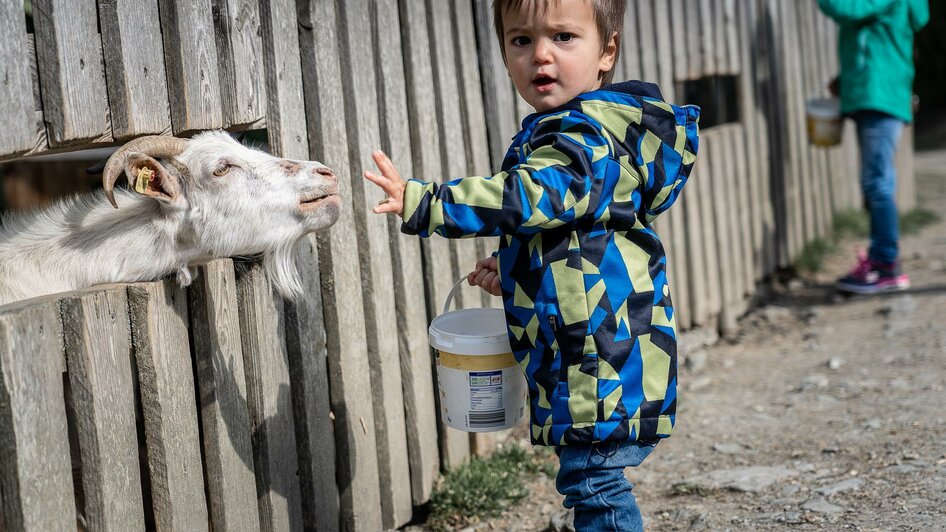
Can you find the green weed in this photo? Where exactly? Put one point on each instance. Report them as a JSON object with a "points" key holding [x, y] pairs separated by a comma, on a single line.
{"points": [[811, 257], [485, 487], [911, 222]]}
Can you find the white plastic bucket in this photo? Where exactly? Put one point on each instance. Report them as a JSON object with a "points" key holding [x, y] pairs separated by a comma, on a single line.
{"points": [[825, 123], [481, 386]]}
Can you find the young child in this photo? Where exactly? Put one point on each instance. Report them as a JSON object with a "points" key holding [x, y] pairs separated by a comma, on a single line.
{"points": [[581, 272]]}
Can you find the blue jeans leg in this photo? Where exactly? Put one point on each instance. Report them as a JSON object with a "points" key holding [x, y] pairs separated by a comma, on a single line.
{"points": [[878, 135], [592, 480]]}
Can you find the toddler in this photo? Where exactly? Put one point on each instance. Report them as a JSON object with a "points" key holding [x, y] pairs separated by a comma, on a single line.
{"points": [[581, 271]]}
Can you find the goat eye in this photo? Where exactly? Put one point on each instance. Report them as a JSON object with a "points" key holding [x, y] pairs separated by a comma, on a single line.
{"points": [[222, 170]]}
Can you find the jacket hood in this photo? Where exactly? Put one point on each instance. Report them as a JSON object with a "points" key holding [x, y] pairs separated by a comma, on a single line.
{"points": [[654, 139]]}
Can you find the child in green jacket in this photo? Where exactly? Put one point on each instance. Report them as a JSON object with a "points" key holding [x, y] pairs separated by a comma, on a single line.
{"points": [[580, 269]]}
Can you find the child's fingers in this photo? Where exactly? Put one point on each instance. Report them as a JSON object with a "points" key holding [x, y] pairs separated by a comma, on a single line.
{"points": [[391, 206], [385, 165], [496, 290], [380, 180], [480, 276]]}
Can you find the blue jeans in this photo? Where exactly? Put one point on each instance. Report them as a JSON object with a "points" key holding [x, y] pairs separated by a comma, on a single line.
{"points": [[878, 135], [592, 480]]}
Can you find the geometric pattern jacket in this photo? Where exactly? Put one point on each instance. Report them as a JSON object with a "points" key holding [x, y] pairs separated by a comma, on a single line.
{"points": [[583, 274]]}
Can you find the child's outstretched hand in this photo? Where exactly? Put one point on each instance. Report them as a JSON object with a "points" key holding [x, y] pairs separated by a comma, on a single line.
{"points": [[390, 181], [486, 276]]}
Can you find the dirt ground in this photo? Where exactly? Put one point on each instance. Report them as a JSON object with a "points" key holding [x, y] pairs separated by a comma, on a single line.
{"points": [[826, 413]]}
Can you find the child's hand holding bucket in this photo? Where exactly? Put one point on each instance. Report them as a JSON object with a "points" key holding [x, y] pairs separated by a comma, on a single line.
{"points": [[486, 276]]}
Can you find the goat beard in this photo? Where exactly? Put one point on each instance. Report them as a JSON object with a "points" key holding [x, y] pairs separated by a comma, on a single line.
{"points": [[280, 266]]}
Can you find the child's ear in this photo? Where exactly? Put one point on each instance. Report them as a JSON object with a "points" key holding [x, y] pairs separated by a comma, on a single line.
{"points": [[609, 52]]}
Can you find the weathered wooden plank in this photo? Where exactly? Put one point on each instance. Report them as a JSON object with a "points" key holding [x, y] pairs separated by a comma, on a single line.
{"points": [[69, 57], [726, 242], [499, 107], [17, 113], [694, 39], [134, 68], [35, 471], [309, 383], [221, 382], [429, 164], [417, 380], [630, 45], [349, 373], [741, 193], [190, 54], [165, 378], [695, 258], [269, 403], [98, 354], [749, 107], [477, 155], [455, 445], [720, 50], [285, 125], [731, 31], [681, 60], [647, 39], [361, 109], [710, 220], [240, 61], [707, 32], [673, 231]]}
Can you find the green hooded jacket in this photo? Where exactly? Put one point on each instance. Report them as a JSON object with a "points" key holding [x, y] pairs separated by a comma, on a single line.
{"points": [[876, 49]]}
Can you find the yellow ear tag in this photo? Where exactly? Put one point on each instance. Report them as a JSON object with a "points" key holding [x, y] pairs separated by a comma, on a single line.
{"points": [[144, 177]]}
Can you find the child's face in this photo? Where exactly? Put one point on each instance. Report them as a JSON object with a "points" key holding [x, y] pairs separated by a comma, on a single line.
{"points": [[554, 53]]}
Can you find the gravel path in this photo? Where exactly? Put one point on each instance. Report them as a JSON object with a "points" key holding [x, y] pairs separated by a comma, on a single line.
{"points": [[826, 413]]}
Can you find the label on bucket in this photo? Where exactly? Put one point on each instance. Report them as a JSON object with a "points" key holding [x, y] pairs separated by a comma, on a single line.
{"points": [[486, 399], [480, 393]]}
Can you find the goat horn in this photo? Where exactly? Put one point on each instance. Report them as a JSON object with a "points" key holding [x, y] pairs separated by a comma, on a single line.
{"points": [[153, 145]]}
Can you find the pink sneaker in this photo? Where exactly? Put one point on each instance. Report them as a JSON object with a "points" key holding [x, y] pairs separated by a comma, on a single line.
{"points": [[872, 277]]}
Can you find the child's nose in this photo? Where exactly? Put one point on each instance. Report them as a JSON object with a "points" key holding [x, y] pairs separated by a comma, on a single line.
{"points": [[542, 53]]}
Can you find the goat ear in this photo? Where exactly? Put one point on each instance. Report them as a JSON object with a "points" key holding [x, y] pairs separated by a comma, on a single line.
{"points": [[149, 178]]}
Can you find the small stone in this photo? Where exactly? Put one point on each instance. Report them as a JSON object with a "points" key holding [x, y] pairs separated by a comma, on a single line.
{"points": [[830, 450], [820, 505], [873, 424], [844, 485], [835, 362], [699, 383], [813, 382], [728, 363], [900, 469], [563, 522], [748, 479], [727, 448], [790, 489], [696, 361], [791, 518], [795, 284], [811, 314], [775, 313]]}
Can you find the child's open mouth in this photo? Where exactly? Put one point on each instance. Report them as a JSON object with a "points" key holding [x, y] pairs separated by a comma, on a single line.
{"points": [[544, 83]]}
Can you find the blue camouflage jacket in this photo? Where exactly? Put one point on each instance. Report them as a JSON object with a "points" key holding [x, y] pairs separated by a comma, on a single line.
{"points": [[583, 274]]}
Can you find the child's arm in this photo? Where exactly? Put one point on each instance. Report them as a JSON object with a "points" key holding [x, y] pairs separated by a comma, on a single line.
{"points": [[548, 187]]}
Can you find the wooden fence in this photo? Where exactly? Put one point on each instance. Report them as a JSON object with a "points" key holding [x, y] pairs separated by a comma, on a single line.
{"points": [[149, 406]]}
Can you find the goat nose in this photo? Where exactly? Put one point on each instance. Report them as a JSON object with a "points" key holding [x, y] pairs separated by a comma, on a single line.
{"points": [[326, 172]]}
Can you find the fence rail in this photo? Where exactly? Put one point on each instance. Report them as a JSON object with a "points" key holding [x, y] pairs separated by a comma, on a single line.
{"points": [[224, 405]]}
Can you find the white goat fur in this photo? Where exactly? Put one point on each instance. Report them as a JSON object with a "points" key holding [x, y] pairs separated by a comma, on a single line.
{"points": [[253, 209]]}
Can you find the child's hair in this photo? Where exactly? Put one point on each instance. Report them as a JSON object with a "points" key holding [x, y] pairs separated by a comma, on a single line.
{"points": [[609, 17]]}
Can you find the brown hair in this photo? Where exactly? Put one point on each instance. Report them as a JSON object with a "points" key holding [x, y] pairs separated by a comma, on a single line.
{"points": [[609, 18]]}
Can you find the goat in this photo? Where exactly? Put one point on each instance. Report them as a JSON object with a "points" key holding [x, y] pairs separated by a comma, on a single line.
{"points": [[192, 201]]}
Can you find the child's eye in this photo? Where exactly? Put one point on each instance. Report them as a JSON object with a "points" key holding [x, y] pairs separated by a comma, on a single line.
{"points": [[520, 40], [564, 37]]}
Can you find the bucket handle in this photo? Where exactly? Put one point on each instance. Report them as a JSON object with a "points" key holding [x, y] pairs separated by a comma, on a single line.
{"points": [[453, 292]]}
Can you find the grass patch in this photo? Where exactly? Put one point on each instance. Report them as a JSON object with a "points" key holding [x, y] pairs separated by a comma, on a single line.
{"points": [[486, 487], [911, 222], [687, 488], [811, 257], [851, 224]]}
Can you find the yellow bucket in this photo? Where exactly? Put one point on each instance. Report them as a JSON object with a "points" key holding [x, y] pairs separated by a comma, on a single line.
{"points": [[481, 386], [825, 123]]}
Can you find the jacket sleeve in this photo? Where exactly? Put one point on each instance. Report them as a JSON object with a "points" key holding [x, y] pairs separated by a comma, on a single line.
{"points": [[919, 14], [854, 11], [548, 187]]}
